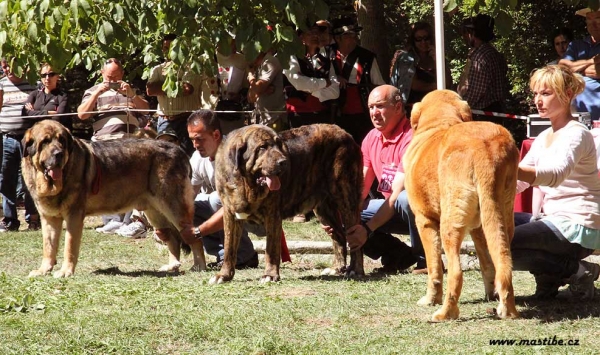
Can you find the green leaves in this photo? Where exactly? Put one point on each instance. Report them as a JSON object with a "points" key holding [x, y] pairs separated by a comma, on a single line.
{"points": [[105, 33]]}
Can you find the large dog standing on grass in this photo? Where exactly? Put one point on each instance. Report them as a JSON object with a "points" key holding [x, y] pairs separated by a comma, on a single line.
{"points": [[461, 177], [70, 179], [264, 177]]}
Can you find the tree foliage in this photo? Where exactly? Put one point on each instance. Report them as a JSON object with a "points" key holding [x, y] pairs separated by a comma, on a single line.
{"points": [[68, 33]]}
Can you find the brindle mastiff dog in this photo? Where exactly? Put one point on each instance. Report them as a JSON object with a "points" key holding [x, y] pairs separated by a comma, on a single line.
{"points": [[264, 177], [70, 179]]}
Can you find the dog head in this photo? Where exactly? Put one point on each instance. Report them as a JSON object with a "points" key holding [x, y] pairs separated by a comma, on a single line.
{"points": [[259, 158], [439, 109], [46, 149]]}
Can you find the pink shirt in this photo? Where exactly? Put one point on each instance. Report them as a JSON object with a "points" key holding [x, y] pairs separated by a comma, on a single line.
{"points": [[377, 153]]}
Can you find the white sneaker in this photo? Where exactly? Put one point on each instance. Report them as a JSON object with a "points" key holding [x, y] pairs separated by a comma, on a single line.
{"points": [[133, 230], [110, 227]]}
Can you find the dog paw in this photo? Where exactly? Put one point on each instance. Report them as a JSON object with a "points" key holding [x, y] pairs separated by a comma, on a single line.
{"points": [[503, 312], [170, 267], [39, 272], [428, 300], [444, 315], [217, 280], [62, 273], [268, 278], [330, 272]]}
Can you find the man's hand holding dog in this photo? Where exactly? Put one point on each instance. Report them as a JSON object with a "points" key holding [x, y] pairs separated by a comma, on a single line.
{"points": [[356, 237]]}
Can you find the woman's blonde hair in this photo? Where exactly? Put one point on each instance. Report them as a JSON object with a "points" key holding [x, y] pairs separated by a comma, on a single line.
{"points": [[561, 79]]}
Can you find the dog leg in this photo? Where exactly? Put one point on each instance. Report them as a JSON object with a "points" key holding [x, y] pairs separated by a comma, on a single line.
{"points": [[488, 272], [356, 268], [174, 247], [273, 250], [199, 259], [452, 239], [428, 231], [233, 234], [51, 231], [500, 253], [498, 241], [72, 244]]}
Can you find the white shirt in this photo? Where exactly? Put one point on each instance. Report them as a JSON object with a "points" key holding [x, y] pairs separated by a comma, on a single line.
{"points": [[317, 87], [567, 173], [203, 173]]}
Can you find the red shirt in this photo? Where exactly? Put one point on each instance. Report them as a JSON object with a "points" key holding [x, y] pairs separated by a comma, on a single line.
{"points": [[377, 153]]}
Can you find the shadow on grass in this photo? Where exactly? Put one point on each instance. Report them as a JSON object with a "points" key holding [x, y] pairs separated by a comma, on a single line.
{"points": [[548, 311], [557, 309], [372, 277], [115, 271]]}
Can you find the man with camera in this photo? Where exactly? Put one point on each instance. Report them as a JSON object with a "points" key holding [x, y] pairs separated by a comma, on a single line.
{"points": [[114, 98]]}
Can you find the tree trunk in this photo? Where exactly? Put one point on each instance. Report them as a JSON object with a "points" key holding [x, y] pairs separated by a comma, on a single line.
{"points": [[372, 37]]}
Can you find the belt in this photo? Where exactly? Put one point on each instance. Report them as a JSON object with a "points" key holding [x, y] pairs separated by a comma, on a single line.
{"points": [[177, 116]]}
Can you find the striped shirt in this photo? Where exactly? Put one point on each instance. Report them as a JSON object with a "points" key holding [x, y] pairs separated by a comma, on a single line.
{"points": [[14, 99], [116, 122]]}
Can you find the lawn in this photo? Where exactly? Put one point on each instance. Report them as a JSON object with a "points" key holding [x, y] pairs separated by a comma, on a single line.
{"points": [[117, 303]]}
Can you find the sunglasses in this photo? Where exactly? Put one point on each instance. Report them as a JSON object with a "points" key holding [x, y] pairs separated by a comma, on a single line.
{"points": [[421, 39], [113, 60], [48, 75]]}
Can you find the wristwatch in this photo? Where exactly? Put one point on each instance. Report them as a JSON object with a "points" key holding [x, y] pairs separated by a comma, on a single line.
{"points": [[197, 233], [369, 231]]}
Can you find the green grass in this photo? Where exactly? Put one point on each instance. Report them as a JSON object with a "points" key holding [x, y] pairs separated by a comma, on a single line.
{"points": [[117, 303]]}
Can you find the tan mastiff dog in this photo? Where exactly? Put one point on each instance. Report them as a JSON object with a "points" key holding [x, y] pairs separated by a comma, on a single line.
{"points": [[461, 178]]}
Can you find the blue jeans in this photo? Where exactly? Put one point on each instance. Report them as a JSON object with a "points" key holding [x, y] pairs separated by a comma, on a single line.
{"points": [[403, 222], [540, 248], [204, 207], [9, 181], [180, 127]]}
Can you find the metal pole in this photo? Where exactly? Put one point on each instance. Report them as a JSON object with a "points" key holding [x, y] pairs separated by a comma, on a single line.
{"points": [[440, 69]]}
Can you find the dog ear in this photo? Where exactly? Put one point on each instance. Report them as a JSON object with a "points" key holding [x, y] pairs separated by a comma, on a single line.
{"points": [[415, 115], [69, 140], [27, 144], [465, 111], [237, 155]]}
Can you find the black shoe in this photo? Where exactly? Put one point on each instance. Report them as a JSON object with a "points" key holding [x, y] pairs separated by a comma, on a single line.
{"points": [[389, 270], [250, 264], [215, 266]]}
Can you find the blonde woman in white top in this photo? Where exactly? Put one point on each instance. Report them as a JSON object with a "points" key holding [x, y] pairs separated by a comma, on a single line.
{"points": [[562, 162]]}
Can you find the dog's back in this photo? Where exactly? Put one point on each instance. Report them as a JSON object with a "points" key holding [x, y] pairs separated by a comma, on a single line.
{"points": [[325, 163]]}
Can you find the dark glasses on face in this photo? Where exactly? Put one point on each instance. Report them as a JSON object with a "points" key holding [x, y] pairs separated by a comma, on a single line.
{"points": [[113, 60], [48, 75], [421, 39]]}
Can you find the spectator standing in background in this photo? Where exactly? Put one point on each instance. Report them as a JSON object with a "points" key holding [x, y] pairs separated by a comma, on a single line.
{"points": [[413, 70], [358, 73], [583, 57], [484, 82], [560, 42], [14, 92]]}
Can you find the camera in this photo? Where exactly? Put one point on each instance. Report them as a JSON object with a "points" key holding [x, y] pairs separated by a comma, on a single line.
{"points": [[114, 85]]}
